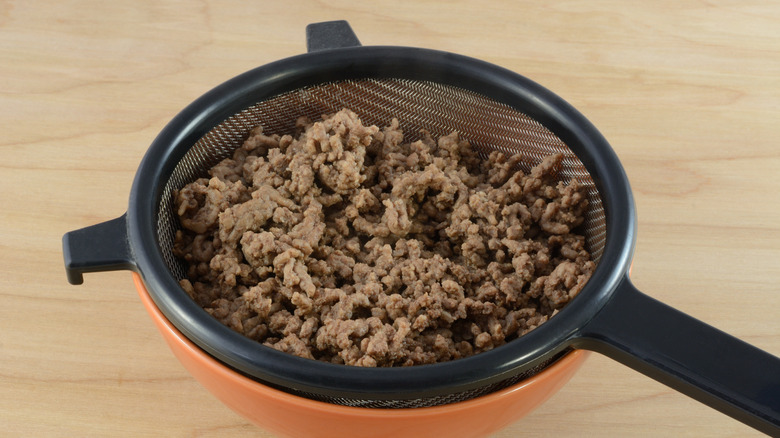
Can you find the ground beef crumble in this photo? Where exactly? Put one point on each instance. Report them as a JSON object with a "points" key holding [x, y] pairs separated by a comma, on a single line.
{"points": [[347, 245]]}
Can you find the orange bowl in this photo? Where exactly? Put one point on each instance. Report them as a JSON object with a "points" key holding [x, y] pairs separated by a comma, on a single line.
{"points": [[289, 415]]}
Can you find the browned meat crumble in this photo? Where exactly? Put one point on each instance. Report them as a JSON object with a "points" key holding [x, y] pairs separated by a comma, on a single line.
{"points": [[348, 245]]}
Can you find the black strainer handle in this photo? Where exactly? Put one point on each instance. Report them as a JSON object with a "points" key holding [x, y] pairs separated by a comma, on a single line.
{"points": [[689, 356], [101, 247], [330, 35]]}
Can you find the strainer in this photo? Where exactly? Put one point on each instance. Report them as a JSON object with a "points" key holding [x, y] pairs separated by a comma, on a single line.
{"points": [[496, 110]]}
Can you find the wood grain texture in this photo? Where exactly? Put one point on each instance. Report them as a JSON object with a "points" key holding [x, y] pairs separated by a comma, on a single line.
{"points": [[687, 92]]}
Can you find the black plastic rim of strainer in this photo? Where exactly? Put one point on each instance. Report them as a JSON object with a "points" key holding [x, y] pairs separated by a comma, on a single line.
{"points": [[334, 380], [609, 315]]}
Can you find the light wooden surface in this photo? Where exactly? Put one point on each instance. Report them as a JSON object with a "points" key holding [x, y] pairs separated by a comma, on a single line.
{"points": [[687, 92]]}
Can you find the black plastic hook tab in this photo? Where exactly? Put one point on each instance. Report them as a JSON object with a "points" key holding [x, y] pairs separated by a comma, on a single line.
{"points": [[101, 247], [689, 356], [330, 35]]}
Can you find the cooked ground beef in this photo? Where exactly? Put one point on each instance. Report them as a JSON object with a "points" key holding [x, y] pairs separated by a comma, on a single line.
{"points": [[348, 245]]}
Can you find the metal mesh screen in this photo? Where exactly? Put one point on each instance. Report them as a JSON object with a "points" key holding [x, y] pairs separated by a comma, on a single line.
{"points": [[435, 400], [437, 108]]}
